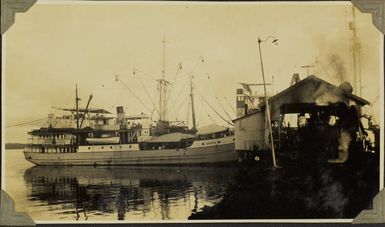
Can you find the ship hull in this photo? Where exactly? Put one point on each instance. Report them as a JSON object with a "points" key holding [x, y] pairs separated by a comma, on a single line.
{"points": [[201, 155]]}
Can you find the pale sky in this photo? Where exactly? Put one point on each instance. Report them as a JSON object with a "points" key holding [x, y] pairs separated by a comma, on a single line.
{"points": [[52, 47]]}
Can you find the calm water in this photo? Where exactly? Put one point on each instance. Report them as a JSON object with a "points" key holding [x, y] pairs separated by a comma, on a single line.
{"points": [[115, 193]]}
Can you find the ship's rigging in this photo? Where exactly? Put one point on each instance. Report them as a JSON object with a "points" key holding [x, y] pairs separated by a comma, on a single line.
{"points": [[166, 89]]}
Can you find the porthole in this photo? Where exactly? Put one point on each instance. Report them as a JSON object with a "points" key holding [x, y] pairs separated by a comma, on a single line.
{"points": [[203, 143], [110, 147], [129, 146], [219, 141], [102, 148], [89, 148]]}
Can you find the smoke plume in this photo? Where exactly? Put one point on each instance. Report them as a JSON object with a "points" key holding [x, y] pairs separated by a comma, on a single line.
{"points": [[325, 96], [337, 66], [343, 147]]}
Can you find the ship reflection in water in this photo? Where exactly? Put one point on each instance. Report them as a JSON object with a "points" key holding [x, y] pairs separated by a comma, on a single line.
{"points": [[125, 193]]}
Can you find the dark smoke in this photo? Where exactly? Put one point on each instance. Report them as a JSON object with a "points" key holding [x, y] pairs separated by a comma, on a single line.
{"points": [[337, 66]]}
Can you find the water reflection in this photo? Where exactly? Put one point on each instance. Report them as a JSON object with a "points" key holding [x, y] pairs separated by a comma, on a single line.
{"points": [[126, 192]]}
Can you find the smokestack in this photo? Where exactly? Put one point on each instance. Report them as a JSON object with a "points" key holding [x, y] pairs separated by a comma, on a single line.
{"points": [[120, 113]]}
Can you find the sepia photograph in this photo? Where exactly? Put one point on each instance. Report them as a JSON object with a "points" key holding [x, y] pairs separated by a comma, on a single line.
{"points": [[172, 111]]}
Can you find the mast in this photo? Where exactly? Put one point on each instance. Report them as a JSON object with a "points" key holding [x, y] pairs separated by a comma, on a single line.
{"points": [[356, 46], [162, 86], [164, 59], [77, 108], [192, 101], [86, 110], [77, 115]]}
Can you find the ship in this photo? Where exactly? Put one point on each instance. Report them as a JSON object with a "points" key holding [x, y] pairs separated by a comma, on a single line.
{"points": [[101, 139], [92, 136]]}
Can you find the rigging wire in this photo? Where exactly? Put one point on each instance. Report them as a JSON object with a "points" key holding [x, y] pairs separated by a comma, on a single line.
{"points": [[232, 108], [324, 69], [148, 94], [201, 61], [180, 93], [220, 104], [132, 93], [228, 122], [188, 112], [148, 75], [26, 123], [211, 118], [181, 104], [169, 92], [173, 82], [223, 108]]}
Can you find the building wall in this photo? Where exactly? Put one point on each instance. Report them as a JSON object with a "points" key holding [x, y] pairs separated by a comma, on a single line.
{"points": [[249, 132]]}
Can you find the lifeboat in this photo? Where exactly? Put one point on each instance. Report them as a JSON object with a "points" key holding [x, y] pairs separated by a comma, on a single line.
{"points": [[104, 139]]}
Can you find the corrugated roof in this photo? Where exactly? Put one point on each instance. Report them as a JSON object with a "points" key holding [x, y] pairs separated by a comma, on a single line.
{"points": [[172, 137], [247, 115], [209, 129], [317, 79]]}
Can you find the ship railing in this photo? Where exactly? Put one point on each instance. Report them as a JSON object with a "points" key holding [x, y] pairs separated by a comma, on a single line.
{"points": [[214, 135], [51, 141], [107, 127], [51, 148]]}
